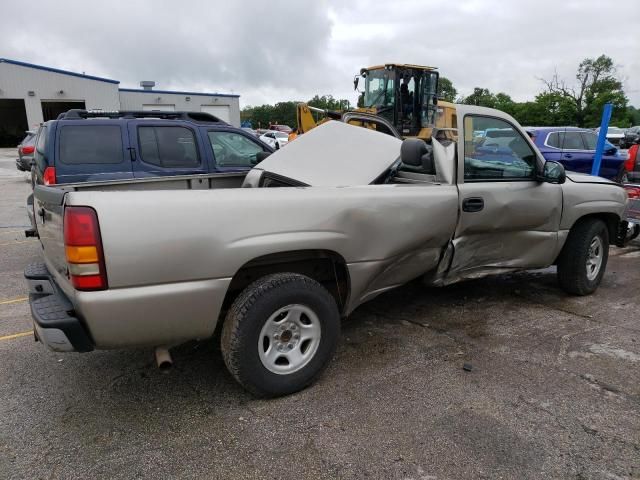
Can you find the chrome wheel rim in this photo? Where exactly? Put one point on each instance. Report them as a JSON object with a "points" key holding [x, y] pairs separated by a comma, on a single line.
{"points": [[289, 339], [594, 258]]}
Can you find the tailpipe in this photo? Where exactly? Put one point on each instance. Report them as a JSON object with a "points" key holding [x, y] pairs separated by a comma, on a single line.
{"points": [[163, 359]]}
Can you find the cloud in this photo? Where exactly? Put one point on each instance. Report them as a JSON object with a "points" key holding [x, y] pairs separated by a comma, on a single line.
{"points": [[281, 50]]}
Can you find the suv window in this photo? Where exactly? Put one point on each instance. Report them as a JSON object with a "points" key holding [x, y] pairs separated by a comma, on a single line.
{"points": [[565, 140], [81, 144], [168, 146], [501, 154], [590, 140], [233, 149], [41, 142]]}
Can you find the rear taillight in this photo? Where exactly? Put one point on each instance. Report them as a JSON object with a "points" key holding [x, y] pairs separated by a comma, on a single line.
{"points": [[83, 249], [27, 149], [49, 176], [633, 193]]}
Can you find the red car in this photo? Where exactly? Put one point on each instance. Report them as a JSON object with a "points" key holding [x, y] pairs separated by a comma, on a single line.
{"points": [[632, 164], [280, 128]]}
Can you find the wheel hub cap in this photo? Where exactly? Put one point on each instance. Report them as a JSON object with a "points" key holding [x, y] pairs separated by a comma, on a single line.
{"points": [[289, 339], [594, 258]]}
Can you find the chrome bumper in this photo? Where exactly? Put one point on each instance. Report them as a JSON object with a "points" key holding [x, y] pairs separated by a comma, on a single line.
{"points": [[627, 231]]}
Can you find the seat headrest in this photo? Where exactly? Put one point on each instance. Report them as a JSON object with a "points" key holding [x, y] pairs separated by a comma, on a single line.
{"points": [[412, 150]]}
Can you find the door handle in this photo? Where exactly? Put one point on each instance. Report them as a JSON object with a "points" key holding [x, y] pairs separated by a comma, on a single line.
{"points": [[472, 204], [568, 155]]}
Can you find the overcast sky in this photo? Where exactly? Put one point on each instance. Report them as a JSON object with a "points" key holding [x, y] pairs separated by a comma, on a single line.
{"points": [[268, 51]]}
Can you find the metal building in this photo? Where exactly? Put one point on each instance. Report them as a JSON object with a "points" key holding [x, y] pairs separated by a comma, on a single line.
{"points": [[31, 94], [224, 106]]}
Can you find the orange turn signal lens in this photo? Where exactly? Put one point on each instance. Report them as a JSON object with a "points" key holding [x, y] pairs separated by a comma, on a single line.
{"points": [[88, 254]]}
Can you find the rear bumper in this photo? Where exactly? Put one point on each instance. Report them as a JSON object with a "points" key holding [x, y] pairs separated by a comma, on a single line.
{"points": [[20, 166], [53, 316]]}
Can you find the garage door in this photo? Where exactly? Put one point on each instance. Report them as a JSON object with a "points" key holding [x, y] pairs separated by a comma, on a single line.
{"points": [[51, 108], [220, 111], [159, 107], [13, 122]]}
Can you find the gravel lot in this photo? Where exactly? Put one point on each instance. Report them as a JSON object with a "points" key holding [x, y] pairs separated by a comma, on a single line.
{"points": [[554, 391]]}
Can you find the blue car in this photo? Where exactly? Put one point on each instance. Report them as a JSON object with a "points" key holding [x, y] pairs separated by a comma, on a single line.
{"points": [[575, 149]]}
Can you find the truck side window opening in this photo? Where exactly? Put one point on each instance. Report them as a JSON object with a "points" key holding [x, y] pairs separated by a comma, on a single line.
{"points": [[495, 150]]}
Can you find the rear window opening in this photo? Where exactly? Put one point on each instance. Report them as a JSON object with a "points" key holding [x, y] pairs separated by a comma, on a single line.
{"points": [[90, 144]]}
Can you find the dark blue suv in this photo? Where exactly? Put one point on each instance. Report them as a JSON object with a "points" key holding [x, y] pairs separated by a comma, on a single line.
{"points": [[82, 146], [575, 148]]}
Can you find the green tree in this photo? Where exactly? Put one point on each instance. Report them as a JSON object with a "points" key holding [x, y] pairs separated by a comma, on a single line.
{"points": [[553, 109], [327, 102], [481, 97], [284, 113], [633, 115], [446, 90], [505, 103], [597, 83]]}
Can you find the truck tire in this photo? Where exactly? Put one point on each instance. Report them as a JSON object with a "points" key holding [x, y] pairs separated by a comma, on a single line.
{"points": [[583, 260], [280, 334]]}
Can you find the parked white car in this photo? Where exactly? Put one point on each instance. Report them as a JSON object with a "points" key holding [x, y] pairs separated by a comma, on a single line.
{"points": [[615, 135], [275, 139]]}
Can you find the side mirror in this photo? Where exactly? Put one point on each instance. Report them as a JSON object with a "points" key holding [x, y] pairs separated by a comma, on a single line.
{"points": [[356, 80], [260, 156], [553, 172]]}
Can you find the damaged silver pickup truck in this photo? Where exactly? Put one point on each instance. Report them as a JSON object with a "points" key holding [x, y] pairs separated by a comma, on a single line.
{"points": [[278, 256]]}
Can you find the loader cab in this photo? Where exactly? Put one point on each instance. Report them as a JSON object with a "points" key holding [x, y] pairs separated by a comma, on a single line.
{"points": [[405, 95]]}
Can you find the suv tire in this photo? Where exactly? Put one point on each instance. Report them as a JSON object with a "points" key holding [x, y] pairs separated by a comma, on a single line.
{"points": [[583, 260], [280, 334]]}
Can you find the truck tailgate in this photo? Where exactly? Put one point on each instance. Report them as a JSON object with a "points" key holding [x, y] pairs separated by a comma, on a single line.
{"points": [[49, 203], [49, 214]]}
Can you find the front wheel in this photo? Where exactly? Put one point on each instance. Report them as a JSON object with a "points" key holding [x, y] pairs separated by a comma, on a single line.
{"points": [[280, 334], [584, 257]]}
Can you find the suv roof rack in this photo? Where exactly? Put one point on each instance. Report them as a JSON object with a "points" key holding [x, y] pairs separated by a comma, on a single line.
{"points": [[78, 114]]}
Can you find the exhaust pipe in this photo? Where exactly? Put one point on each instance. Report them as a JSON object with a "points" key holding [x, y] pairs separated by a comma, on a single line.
{"points": [[163, 358]]}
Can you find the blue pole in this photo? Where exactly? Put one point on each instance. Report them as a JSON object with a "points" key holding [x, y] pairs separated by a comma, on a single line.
{"points": [[602, 137]]}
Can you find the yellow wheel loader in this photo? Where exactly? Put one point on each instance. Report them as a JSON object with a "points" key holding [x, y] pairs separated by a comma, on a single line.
{"points": [[399, 99]]}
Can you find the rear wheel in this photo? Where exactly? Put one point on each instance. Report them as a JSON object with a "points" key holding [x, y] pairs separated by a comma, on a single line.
{"points": [[584, 257], [280, 333]]}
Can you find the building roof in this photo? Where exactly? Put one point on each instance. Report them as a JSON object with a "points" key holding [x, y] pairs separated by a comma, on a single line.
{"points": [[108, 80], [57, 70], [175, 92]]}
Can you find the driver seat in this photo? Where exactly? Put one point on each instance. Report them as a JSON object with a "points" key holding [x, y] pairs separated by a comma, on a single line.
{"points": [[417, 157]]}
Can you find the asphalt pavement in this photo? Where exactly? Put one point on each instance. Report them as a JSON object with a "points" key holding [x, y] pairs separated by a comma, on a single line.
{"points": [[551, 389]]}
